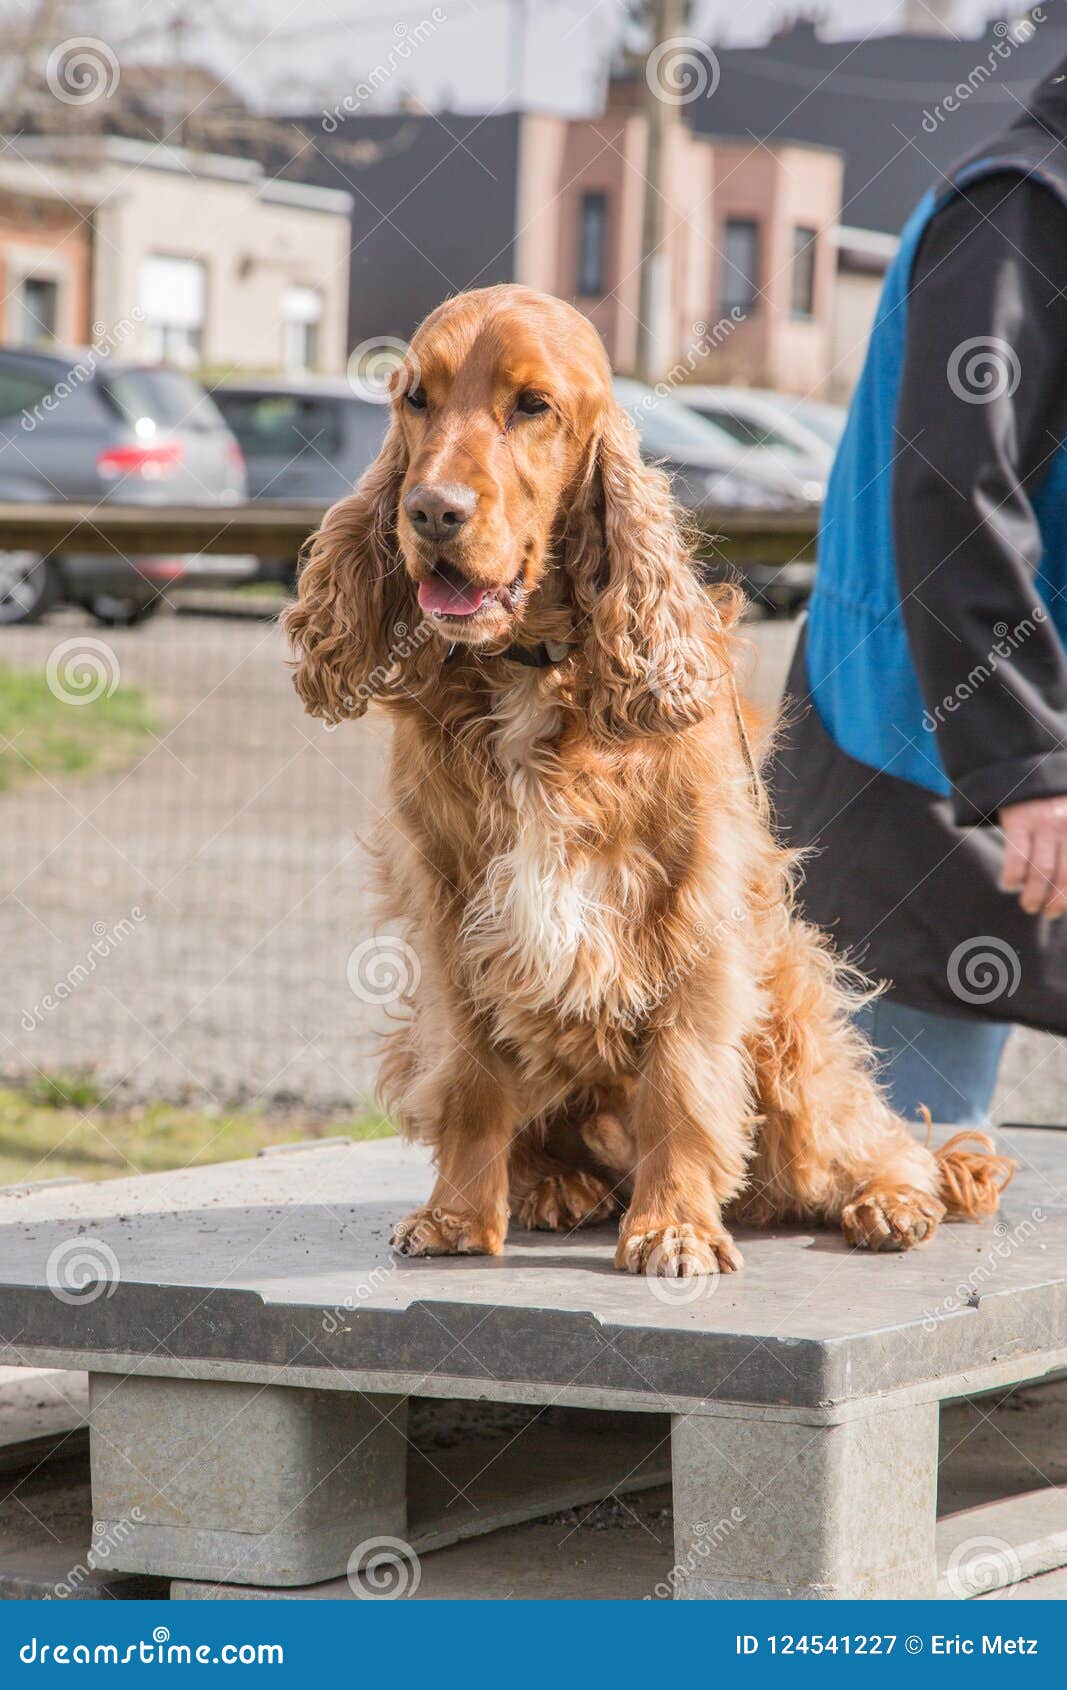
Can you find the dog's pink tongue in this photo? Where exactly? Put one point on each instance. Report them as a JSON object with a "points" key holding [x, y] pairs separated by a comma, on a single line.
{"points": [[460, 598]]}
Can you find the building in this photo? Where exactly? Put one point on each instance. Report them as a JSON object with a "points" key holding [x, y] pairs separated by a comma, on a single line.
{"points": [[444, 203], [45, 260], [209, 261]]}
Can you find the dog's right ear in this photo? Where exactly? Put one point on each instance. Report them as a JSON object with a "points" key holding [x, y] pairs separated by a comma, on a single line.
{"points": [[355, 602]]}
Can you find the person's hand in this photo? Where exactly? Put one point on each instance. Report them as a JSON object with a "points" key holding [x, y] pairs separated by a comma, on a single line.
{"points": [[1035, 861]]}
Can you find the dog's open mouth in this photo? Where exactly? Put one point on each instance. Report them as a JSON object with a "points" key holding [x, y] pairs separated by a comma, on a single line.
{"points": [[451, 596]]}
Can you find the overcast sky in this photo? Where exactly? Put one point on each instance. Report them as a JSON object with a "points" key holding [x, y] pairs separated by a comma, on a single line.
{"points": [[289, 49]]}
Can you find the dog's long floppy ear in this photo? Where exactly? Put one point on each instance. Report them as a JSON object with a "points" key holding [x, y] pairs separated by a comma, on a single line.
{"points": [[654, 640], [352, 623]]}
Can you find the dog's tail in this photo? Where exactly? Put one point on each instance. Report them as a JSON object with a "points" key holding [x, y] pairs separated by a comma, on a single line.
{"points": [[972, 1179]]}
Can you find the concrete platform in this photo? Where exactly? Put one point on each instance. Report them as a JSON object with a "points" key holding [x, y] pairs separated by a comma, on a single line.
{"points": [[817, 1366]]}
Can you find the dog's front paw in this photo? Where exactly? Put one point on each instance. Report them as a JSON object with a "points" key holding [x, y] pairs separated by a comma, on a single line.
{"points": [[677, 1252], [436, 1232], [564, 1201], [891, 1218]]}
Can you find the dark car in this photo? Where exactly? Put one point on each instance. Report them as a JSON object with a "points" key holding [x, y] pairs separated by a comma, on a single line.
{"points": [[710, 473], [81, 427], [305, 441]]}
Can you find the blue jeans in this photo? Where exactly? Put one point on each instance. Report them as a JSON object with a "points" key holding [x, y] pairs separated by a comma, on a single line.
{"points": [[940, 1060]]}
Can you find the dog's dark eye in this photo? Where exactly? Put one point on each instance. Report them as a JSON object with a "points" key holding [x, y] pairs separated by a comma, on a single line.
{"points": [[530, 404], [416, 399]]}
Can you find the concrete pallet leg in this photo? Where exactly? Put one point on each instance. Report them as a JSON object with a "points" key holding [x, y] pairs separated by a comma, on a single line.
{"points": [[771, 1508], [269, 1484]]}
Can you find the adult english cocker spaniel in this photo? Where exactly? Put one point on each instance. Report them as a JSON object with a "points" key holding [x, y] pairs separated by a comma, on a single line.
{"points": [[618, 1009]]}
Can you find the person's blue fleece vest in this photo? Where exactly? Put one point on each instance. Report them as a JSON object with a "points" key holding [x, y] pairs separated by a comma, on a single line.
{"points": [[860, 672]]}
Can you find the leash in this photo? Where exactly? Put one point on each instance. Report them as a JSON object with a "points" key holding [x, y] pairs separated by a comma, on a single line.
{"points": [[551, 652]]}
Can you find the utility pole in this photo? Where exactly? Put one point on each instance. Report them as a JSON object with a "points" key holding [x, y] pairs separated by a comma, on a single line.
{"points": [[662, 116]]}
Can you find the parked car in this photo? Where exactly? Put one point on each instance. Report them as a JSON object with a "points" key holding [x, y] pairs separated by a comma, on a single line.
{"points": [[769, 429], [108, 431], [827, 421], [304, 440], [711, 472]]}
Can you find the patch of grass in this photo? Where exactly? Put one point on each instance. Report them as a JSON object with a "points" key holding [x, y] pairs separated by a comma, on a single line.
{"points": [[68, 1087], [45, 1133], [42, 733]]}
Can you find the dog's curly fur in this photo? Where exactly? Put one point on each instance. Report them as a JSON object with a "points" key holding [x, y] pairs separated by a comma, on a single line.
{"points": [[618, 1009]]}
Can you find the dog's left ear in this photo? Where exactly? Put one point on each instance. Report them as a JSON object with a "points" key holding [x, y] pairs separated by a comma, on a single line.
{"points": [[655, 643]]}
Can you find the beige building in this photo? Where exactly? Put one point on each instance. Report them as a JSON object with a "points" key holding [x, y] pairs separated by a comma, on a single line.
{"points": [[214, 264], [750, 259]]}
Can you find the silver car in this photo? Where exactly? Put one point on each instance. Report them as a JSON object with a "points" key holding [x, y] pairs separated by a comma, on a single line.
{"points": [[79, 427]]}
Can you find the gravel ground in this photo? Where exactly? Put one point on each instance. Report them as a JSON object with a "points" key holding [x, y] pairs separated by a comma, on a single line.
{"points": [[230, 851]]}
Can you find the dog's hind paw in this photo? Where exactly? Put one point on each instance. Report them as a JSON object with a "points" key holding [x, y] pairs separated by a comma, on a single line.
{"points": [[562, 1202], [677, 1252], [891, 1218], [435, 1232]]}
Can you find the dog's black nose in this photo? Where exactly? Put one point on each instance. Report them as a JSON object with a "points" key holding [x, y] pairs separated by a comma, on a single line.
{"points": [[437, 513]]}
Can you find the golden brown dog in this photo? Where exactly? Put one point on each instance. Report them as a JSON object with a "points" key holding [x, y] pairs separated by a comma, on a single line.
{"points": [[618, 1008]]}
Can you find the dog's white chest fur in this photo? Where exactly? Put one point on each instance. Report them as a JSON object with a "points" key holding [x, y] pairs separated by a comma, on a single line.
{"points": [[543, 915]]}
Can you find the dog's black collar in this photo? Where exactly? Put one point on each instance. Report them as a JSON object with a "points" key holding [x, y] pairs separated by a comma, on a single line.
{"points": [[542, 656]]}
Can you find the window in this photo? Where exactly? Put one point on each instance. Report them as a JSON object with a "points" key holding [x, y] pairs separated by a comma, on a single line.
{"points": [[19, 392], [802, 284], [172, 294], [164, 397], [740, 264], [593, 244], [283, 425], [301, 320], [36, 310]]}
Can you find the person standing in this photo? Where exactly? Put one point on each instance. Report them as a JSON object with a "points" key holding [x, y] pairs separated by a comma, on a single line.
{"points": [[924, 757]]}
